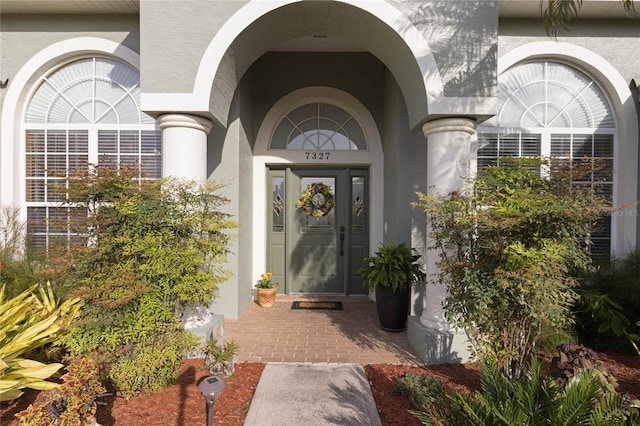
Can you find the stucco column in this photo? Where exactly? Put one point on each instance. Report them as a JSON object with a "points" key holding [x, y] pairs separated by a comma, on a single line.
{"points": [[184, 146], [184, 155], [448, 165]]}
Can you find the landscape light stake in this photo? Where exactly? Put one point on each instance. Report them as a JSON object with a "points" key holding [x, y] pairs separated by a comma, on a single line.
{"points": [[211, 388]]}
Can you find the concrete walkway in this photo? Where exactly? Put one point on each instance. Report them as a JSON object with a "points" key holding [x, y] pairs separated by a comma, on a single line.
{"points": [[303, 394], [313, 373]]}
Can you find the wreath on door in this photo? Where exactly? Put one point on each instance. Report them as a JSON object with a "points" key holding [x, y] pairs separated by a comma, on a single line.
{"points": [[317, 200]]}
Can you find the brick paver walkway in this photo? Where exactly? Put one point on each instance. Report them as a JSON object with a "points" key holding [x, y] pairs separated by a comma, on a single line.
{"points": [[281, 334]]}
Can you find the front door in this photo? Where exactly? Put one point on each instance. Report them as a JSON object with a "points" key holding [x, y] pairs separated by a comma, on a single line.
{"points": [[321, 229]]}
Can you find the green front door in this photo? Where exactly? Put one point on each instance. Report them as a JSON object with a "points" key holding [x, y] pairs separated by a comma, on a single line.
{"points": [[318, 247]]}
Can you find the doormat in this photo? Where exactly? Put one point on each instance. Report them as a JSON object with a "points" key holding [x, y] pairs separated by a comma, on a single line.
{"points": [[327, 306]]}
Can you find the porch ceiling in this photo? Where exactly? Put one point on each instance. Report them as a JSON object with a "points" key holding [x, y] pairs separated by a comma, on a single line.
{"points": [[318, 43]]}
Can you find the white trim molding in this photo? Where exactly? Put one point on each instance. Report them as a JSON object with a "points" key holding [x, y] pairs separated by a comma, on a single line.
{"points": [[262, 158], [448, 125], [23, 85]]}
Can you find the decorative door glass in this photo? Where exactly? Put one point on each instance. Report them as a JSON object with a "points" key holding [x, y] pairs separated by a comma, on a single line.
{"points": [[319, 127], [278, 215], [318, 211], [358, 204]]}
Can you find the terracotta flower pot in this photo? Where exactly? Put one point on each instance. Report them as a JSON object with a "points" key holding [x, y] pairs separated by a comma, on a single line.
{"points": [[266, 297]]}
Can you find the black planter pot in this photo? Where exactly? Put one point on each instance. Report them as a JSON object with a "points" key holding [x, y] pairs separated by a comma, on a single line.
{"points": [[393, 308]]}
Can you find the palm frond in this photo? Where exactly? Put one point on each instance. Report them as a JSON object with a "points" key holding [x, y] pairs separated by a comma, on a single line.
{"points": [[580, 396], [629, 6], [558, 14], [609, 411]]}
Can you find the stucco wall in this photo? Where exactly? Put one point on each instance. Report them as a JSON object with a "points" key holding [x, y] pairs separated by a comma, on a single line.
{"points": [[463, 37], [22, 36], [391, 143], [175, 35], [245, 202], [617, 41], [405, 164], [187, 43], [229, 162], [324, 18], [276, 74]]}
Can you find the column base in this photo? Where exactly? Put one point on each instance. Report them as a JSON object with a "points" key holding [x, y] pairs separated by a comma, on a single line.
{"points": [[213, 328], [435, 346]]}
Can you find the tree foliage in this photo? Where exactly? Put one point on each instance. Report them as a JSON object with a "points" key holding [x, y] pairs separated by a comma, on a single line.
{"points": [[147, 250], [508, 246]]}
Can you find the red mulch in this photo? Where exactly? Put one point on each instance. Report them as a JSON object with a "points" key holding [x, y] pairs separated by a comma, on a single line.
{"points": [[182, 404]]}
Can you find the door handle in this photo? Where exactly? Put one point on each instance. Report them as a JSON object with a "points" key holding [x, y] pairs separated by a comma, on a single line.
{"points": [[342, 241]]}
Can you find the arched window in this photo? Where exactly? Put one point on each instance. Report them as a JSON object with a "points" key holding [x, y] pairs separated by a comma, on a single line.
{"points": [[318, 127], [87, 111], [554, 110]]}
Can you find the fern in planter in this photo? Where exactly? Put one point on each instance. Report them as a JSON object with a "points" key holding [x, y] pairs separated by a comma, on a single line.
{"points": [[394, 265], [390, 272]]}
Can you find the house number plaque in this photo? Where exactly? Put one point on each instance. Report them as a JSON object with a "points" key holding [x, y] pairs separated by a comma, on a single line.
{"points": [[317, 155]]}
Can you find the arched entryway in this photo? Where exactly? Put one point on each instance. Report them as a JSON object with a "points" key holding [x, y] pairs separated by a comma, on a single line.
{"points": [[239, 67], [325, 142]]}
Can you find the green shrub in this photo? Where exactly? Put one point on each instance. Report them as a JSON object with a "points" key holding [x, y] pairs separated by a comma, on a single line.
{"points": [[149, 366], [608, 312], [508, 247], [16, 271], [532, 398], [421, 390], [154, 248]]}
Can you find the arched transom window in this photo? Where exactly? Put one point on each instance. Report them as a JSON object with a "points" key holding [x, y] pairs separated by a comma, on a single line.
{"points": [[554, 110], [318, 127], [84, 112]]}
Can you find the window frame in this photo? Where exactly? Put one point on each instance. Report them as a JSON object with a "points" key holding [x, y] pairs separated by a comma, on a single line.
{"points": [[546, 133], [144, 124]]}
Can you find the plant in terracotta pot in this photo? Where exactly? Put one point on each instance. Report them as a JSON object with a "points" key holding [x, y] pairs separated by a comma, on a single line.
{"points": [[390, 273], [266, 290]]}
